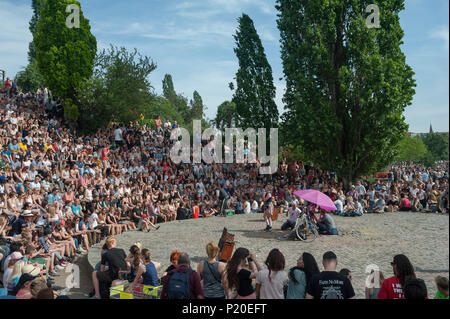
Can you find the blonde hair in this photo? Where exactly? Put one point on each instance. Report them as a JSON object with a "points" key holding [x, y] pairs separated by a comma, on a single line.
{"points": [[51, 211], [212, 250], [110, 240], [17, 271], [138, 244]]}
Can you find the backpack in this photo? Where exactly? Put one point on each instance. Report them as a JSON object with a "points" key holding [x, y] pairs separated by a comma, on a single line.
{"points": [[178, 287]]}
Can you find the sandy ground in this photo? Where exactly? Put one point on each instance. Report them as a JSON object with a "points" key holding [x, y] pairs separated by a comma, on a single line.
{"points": [[366, 240]]}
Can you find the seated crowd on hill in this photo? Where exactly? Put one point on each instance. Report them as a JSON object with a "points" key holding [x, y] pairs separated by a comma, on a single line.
{"points": [[60, 193], [243, 277]]}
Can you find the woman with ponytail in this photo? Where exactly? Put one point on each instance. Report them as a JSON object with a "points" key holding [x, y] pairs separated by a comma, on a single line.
{"points": [[270, 282]]}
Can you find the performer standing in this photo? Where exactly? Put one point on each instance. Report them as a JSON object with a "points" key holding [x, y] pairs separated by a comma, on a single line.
{"points": [[268, 209]]}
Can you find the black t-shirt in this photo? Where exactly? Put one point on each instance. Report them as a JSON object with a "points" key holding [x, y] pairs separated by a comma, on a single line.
{"points": [[245, 283], [17, 226], [170, 268], [330, 285], [115, 259]]}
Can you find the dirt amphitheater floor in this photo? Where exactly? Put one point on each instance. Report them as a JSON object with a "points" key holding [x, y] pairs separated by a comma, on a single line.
{"points": [[362, 241]]}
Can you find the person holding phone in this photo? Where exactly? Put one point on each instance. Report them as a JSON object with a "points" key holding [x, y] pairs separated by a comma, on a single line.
{"points": [[240, 273]]}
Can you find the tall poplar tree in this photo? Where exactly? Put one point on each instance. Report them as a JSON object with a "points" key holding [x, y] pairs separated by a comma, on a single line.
{"points": [[255, 92], [347, 84]]}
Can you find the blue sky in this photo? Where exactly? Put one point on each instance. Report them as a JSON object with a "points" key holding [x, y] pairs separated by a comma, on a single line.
{"points": [[193, 41]]}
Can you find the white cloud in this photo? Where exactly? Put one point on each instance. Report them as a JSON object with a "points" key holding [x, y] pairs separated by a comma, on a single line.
{"points": [[441, 33]]}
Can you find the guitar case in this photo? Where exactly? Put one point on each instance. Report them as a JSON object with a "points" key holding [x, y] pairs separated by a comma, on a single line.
{"points": [[226, 245]]}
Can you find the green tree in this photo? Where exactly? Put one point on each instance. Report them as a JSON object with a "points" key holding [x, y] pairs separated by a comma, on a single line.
{"points": [[347, 86], [65, 55], [411, 149], [36, 6], [197, 107], [169, 89], [255, 92], [29, 79], [437, 144], [119, 90], [226, 116]]}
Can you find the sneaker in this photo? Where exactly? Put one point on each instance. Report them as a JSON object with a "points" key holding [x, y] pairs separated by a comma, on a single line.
{"points": [[53, 273], [64, 263], [59, 267]]}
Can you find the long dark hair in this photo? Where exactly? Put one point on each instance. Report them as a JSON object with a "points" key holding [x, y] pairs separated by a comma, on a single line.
{"points": [[232, 266], [275, 261], [404, 269], [135, 252], [310, 268]]}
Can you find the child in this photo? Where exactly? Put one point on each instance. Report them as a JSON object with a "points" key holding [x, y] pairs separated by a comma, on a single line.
{"points": [[442, 286]]}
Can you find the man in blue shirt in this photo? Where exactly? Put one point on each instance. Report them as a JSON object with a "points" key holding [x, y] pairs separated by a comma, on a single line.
{"points": [[22, 222]]}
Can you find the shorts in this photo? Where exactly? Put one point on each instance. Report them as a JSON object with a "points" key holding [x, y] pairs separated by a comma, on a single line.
{"points": [[104, 276]]}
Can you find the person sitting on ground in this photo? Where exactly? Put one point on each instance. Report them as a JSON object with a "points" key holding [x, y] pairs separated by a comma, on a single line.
{"points": [[293, 213], [326, 223], [392, 288], [115, 259], [147, 271], [329, 284], [350, 207], [442, 287], [415, 289], [347, 273], [271, 282], [380, 205], [173, 262], [301, 275], [405, 204], [240, 274], [376, 283], [177, 286], [211, 272]]}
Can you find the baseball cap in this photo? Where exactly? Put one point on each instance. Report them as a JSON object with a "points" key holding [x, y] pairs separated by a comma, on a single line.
{"points": [[16, 255]]}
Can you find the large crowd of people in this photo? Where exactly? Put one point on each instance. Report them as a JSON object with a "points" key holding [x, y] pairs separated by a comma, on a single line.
{"points": [[242, 277], [60, 192]]}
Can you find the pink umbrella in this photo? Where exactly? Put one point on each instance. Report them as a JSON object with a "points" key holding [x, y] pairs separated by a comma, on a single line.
{"points": [[318, 198]]}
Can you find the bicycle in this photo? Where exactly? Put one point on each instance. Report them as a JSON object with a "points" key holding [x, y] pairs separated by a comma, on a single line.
{"points": [[306, 229]]}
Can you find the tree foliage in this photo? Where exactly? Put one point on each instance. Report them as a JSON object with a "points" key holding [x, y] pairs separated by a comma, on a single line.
{"points": [[437, 144], [347, 86], [411, 149], [30, 79], [118, 91], [36, 5], [65, 55], [255, 91], [226, 116], [197, 107]]}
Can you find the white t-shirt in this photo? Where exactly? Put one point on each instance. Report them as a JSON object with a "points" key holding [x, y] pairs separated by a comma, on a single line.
{"points": [[247, 208], [255, 205], [294, 214], [273, 288], [118, 134]]}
